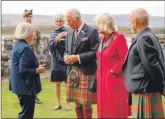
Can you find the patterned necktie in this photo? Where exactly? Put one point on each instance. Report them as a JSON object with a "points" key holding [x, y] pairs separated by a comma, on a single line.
{"points": [[76, 33]]}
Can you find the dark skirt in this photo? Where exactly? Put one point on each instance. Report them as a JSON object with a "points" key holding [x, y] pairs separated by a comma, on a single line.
{"points": [[58, 76], [147, 105], [80, 94]]}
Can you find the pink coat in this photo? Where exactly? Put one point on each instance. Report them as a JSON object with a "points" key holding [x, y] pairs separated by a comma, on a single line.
{"points": [[111, 91]]}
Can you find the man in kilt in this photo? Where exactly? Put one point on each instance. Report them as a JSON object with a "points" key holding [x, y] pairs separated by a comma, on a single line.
{"points": [[144, 69], [80, 57]]}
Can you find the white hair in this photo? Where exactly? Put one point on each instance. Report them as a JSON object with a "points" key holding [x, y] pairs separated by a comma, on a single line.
{"points": [[141, 15], [106, 22], [23, 30], [75, 13], [59, 17]]}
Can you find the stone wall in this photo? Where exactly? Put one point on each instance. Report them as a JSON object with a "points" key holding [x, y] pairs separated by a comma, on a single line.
{"points": [[44, 55], [7, 45]]}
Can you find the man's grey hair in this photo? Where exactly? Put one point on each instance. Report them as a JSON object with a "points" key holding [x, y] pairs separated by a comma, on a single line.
{"points": [[141, 15], [23, 30], [59, 17], [106, 22], [75, 13]]}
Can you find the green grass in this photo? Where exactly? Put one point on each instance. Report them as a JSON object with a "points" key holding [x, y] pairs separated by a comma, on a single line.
{"points": [[163, 98], [11, 108]]}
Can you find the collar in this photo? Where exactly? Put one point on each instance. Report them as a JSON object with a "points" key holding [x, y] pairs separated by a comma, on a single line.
{"points": [[80, 28], [106, 38], [142, 31], [61, 29], [21, 40]]}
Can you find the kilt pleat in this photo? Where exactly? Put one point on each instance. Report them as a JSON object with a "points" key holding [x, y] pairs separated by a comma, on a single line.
{"points": [[147, 105], [80, 94]]}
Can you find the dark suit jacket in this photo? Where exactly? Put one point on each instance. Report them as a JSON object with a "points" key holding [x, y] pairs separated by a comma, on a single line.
{"points": [[23, 77], [144, 67], [86, 46]]}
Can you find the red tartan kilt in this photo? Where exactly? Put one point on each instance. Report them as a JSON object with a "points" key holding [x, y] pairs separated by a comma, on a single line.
{"points": [[80, 94]]}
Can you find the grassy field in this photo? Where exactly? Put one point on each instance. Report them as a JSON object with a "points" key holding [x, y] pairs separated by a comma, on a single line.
{"points": [[10, 106]]}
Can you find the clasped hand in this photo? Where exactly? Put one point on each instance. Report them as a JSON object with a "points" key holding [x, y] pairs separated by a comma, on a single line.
{"points": [[71, 59], [59, 36]]}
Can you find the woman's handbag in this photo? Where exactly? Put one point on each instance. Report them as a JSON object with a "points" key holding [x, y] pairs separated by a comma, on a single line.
{"points": [[92, 83]]}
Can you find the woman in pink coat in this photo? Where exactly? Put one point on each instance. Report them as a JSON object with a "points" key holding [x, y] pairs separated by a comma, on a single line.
{"points": [[111, 91]]}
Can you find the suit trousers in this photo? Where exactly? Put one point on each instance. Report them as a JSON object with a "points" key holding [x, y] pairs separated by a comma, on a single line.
{"points": [[27, 103]]}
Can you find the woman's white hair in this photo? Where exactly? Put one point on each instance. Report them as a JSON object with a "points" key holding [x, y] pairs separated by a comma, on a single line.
{"points": [[106, 23], [59, 17], [23, 30], [75, 13]]}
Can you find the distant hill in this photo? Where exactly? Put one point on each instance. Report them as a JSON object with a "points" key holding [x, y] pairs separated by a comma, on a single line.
{"points": [[122, 20]]}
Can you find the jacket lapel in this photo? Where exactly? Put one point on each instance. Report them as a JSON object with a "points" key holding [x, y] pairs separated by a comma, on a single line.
{"points": [[35, 59], [112, 37], [144, 30], [81, 35], [129, 50], [70, 37], [101, 44], [34, 56]]}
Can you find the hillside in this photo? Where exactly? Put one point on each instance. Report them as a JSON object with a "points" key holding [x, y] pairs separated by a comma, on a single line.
{"points": [[122, 20]]}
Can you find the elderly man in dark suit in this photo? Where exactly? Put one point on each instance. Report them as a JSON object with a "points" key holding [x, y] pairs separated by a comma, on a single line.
{"points": [[144, 69], [80, 57], [24, 72]]}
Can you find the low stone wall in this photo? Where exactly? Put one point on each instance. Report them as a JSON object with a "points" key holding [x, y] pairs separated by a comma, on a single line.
{"points": [[44, 55]]}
